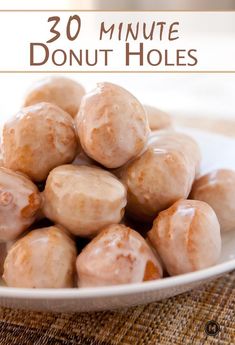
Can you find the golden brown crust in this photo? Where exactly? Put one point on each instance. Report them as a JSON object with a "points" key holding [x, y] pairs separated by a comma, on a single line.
{"points": [[112, 125], [45, 258], [38, 139], [217, 188], [84, 199], [118, 255], [186, 236], [20, 202], [151, 272], [163, 174]]}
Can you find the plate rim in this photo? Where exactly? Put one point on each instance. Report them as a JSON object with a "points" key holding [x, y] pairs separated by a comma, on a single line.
{"points": [[119, 290]]}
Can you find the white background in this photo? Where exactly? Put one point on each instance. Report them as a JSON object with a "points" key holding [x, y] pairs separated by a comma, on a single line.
{"points": [[209, 95]]}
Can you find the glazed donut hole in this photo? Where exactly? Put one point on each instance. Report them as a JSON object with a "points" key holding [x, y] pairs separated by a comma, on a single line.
{"points": [[217, 189], [118, 255], [112, 125], [187, 237], [45, 258], [38, 139], [83, 199], [163, 174], [63, 92], [20, 203], [157, 118]]}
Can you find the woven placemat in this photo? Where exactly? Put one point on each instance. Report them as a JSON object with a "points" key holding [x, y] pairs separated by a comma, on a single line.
{"points": [[175, 321]]}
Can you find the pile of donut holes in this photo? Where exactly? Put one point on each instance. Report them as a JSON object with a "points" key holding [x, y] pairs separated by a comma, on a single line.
{"points": [[97, 189]]}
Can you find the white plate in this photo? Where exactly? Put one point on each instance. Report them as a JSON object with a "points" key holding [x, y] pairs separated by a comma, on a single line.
{"points": [[218, 151]]}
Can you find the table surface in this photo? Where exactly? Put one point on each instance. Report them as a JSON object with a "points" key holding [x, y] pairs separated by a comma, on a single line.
{"points": [[179, 320]]}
